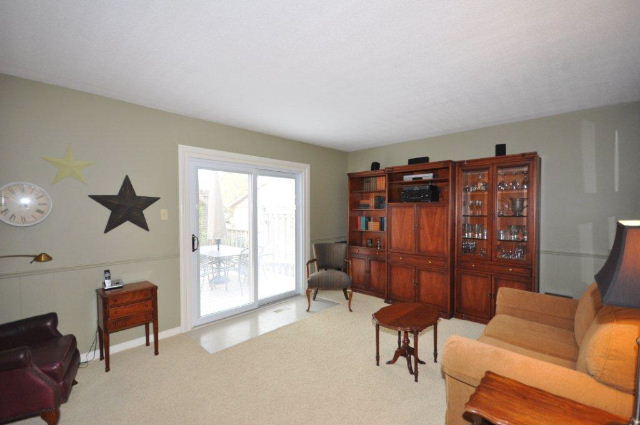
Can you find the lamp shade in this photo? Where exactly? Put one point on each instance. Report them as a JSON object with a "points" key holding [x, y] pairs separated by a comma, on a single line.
{"points": [[619, 278]]}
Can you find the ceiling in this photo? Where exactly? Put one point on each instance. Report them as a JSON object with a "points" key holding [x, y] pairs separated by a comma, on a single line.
{"points": [[344, 74]]}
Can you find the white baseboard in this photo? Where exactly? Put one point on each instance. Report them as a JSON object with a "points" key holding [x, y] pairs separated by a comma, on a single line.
{"points": [[130, 344]]}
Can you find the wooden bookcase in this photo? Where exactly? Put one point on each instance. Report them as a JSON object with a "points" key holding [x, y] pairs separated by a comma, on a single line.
{"points": [[480, 235], [497, 231], [368, 232]]}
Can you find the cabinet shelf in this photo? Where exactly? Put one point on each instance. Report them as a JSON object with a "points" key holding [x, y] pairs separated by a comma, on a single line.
{"points": [[476, 239], [367, 209], [513, 191], [510, 216], [513, 240], [418, 182], [474, 215], [369, 191], [369, 231], [435, 204]]}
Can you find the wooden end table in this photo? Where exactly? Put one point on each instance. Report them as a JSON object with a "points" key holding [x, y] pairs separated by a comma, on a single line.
{"points": [[407, 317], [504, 401], [134, 304]]}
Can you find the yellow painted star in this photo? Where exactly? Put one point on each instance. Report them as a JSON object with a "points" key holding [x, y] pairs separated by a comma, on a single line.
{"points": [[68, 166]]}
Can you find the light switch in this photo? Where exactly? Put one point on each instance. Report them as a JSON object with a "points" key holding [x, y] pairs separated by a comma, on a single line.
{"points": [[164, 214]]}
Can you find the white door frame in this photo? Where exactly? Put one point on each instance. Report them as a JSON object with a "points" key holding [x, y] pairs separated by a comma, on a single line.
{"points": [[187, 153]]}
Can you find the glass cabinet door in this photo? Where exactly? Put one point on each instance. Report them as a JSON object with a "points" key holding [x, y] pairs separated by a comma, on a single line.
{"points": [[511, 209], [475, 213]]}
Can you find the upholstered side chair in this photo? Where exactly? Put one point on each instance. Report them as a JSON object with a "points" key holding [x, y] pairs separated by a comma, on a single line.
{"points": [[332, 271]]}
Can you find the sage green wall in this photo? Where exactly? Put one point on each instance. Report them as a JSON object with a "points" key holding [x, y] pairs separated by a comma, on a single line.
{"points": [[590, 178], [39, 120]]}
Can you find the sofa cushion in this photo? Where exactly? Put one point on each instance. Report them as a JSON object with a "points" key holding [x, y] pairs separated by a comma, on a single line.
{"points": [[534, 336], [608, 351], [53, 356], [588, 306], [528, 352]]}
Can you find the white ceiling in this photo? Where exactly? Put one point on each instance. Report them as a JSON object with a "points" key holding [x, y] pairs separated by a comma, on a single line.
{"points": [[347, 74]]}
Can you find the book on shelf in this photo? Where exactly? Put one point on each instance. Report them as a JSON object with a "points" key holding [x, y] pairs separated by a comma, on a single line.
{"points": [[371, 184], [363, 223]]}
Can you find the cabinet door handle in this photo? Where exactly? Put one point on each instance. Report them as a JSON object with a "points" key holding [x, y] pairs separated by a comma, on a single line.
{"points": [[195, 243]]}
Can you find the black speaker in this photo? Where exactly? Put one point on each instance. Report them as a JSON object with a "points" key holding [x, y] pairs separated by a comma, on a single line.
{"points": [[420, 160], [375, 166], [501, 149]]}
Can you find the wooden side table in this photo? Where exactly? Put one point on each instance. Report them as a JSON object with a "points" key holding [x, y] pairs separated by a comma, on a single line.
{"points": [[504, 401], [407, 317], [134, 304]]}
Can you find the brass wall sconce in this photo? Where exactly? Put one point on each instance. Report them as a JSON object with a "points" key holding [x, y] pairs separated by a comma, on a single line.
{"points": [[43, 257]]}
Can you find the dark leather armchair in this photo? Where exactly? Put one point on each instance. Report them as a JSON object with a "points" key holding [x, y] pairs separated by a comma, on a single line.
{"points": [[332, 271], [38, 366]]}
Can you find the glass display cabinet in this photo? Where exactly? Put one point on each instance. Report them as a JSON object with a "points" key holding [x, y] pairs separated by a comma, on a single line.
{"points": [[496, 231]]}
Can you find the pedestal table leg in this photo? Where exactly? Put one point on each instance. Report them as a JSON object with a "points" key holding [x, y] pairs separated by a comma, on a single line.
{"points": [[377, 344], [415, 356]]}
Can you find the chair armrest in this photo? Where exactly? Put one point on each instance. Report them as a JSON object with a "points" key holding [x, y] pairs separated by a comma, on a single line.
{"points": [[547, 309], [313, 260], [467, 360], [15, 358], [347, 266], [28, 331], [24, 389]]}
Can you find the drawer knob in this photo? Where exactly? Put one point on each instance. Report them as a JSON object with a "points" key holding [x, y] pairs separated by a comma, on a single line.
{"points": [[510, 269], [473, 265], [429, 261], [402, 258]]}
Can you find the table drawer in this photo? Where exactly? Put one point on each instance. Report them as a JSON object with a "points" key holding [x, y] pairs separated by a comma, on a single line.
{"points": [[129, 321], [417, 260], [130, 309], [129, 297]]}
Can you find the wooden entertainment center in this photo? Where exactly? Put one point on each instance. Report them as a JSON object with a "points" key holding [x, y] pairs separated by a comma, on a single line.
{"points": [[451, 237]]}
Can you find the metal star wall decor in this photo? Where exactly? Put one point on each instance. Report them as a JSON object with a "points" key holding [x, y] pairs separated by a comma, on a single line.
{"points": [[68, 166], [125, 206]]}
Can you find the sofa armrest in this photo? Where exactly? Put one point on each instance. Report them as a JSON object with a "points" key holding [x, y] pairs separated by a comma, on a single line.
{"points": [[467, 360], [547, 309], [28, 331], [14, 358]]}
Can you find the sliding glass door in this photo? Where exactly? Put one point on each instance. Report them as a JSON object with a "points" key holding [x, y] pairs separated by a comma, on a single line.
{"points": [[276, 211], [245, 238]]}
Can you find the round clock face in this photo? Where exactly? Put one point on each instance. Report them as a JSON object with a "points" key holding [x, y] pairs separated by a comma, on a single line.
{"points": [[24, 204]]}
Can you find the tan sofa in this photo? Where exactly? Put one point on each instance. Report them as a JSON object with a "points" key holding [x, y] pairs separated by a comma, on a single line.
{"points": [[577, 349]]}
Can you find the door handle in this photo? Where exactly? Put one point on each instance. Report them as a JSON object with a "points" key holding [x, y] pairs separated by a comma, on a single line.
{"points": [[195, 243]]}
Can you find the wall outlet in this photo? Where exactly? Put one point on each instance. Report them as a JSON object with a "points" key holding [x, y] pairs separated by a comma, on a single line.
{"points": [[164, 214]]}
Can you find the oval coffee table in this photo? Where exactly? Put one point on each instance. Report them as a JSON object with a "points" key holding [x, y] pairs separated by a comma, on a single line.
{"points": [[407, 317]]}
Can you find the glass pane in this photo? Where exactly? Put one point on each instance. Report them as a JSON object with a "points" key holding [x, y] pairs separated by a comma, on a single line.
{"points": [[512, 201], [276, 235], [475, 221], [223, 214]]}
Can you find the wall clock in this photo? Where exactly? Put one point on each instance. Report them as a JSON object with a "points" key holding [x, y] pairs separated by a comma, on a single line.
{"points": [[24, 204]]}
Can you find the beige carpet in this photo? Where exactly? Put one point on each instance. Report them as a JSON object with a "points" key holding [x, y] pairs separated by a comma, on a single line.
{"points": [[320, 370]]}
